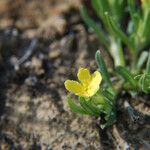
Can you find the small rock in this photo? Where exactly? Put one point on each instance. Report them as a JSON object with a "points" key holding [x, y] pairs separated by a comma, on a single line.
{"points": [[31, 81], [54, 53], [52, 26]]}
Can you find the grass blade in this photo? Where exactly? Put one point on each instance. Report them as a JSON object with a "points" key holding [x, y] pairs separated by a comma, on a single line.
{"points": [[126, 75], [102, 67], [86, 107], [101, 6], [91, 106], [133, 13], [75, 108], [91, 24], [117, 52], [118, 33]]}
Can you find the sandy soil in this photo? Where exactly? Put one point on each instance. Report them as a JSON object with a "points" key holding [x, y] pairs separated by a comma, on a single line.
{"points": [[41, 45]]}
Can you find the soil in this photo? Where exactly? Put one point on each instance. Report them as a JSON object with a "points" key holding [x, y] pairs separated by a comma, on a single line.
{"points": [[41, 45]]}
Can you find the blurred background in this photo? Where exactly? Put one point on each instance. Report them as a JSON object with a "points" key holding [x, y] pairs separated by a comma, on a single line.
{"points": [[42, 43]]}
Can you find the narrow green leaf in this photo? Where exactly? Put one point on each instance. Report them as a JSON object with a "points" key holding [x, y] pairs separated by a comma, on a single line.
{"points": [[75, 108], [126, 75], [110, 116], [117, 8], [148, 64], [131, 5], [108, 96], [100, 99], [146, 25], [117, 52], [98, 8], [118, 33], [102, 67], [133, 12], [110, 119], [92, 106], [101, 6], [86, 106], [143, 82], [137, 77], [91, 24], [144, 30]]}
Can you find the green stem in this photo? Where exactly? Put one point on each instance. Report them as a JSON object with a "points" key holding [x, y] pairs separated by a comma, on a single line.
{"points": [[118, 33], [117, 53]]}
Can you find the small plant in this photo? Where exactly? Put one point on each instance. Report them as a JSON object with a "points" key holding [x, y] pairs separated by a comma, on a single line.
{"points": [[116, 38], [132, 78], [93, 100], [114, 34]]}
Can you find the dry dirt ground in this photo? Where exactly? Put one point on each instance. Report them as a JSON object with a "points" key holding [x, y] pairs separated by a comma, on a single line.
{"points": [[41, 45]]}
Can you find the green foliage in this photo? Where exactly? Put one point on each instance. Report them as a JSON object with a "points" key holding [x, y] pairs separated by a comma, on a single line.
{"points": [[134, 37], [143, 82], [91, 24], [116, 37], [127, 76], [118, 33], [95, 106], [102, 68], [104, 101], [75, 108]]}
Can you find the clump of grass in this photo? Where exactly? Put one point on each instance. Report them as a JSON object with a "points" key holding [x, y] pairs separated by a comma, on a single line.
{"points": [[133, 78]]}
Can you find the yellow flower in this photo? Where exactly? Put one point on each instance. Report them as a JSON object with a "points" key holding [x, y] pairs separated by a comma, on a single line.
{"points": [[88, 85]]}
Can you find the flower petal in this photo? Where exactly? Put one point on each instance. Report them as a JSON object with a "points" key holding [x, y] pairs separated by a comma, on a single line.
{"points": [[96, 79], [89, 83], [83, 75], [74, 87]]}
